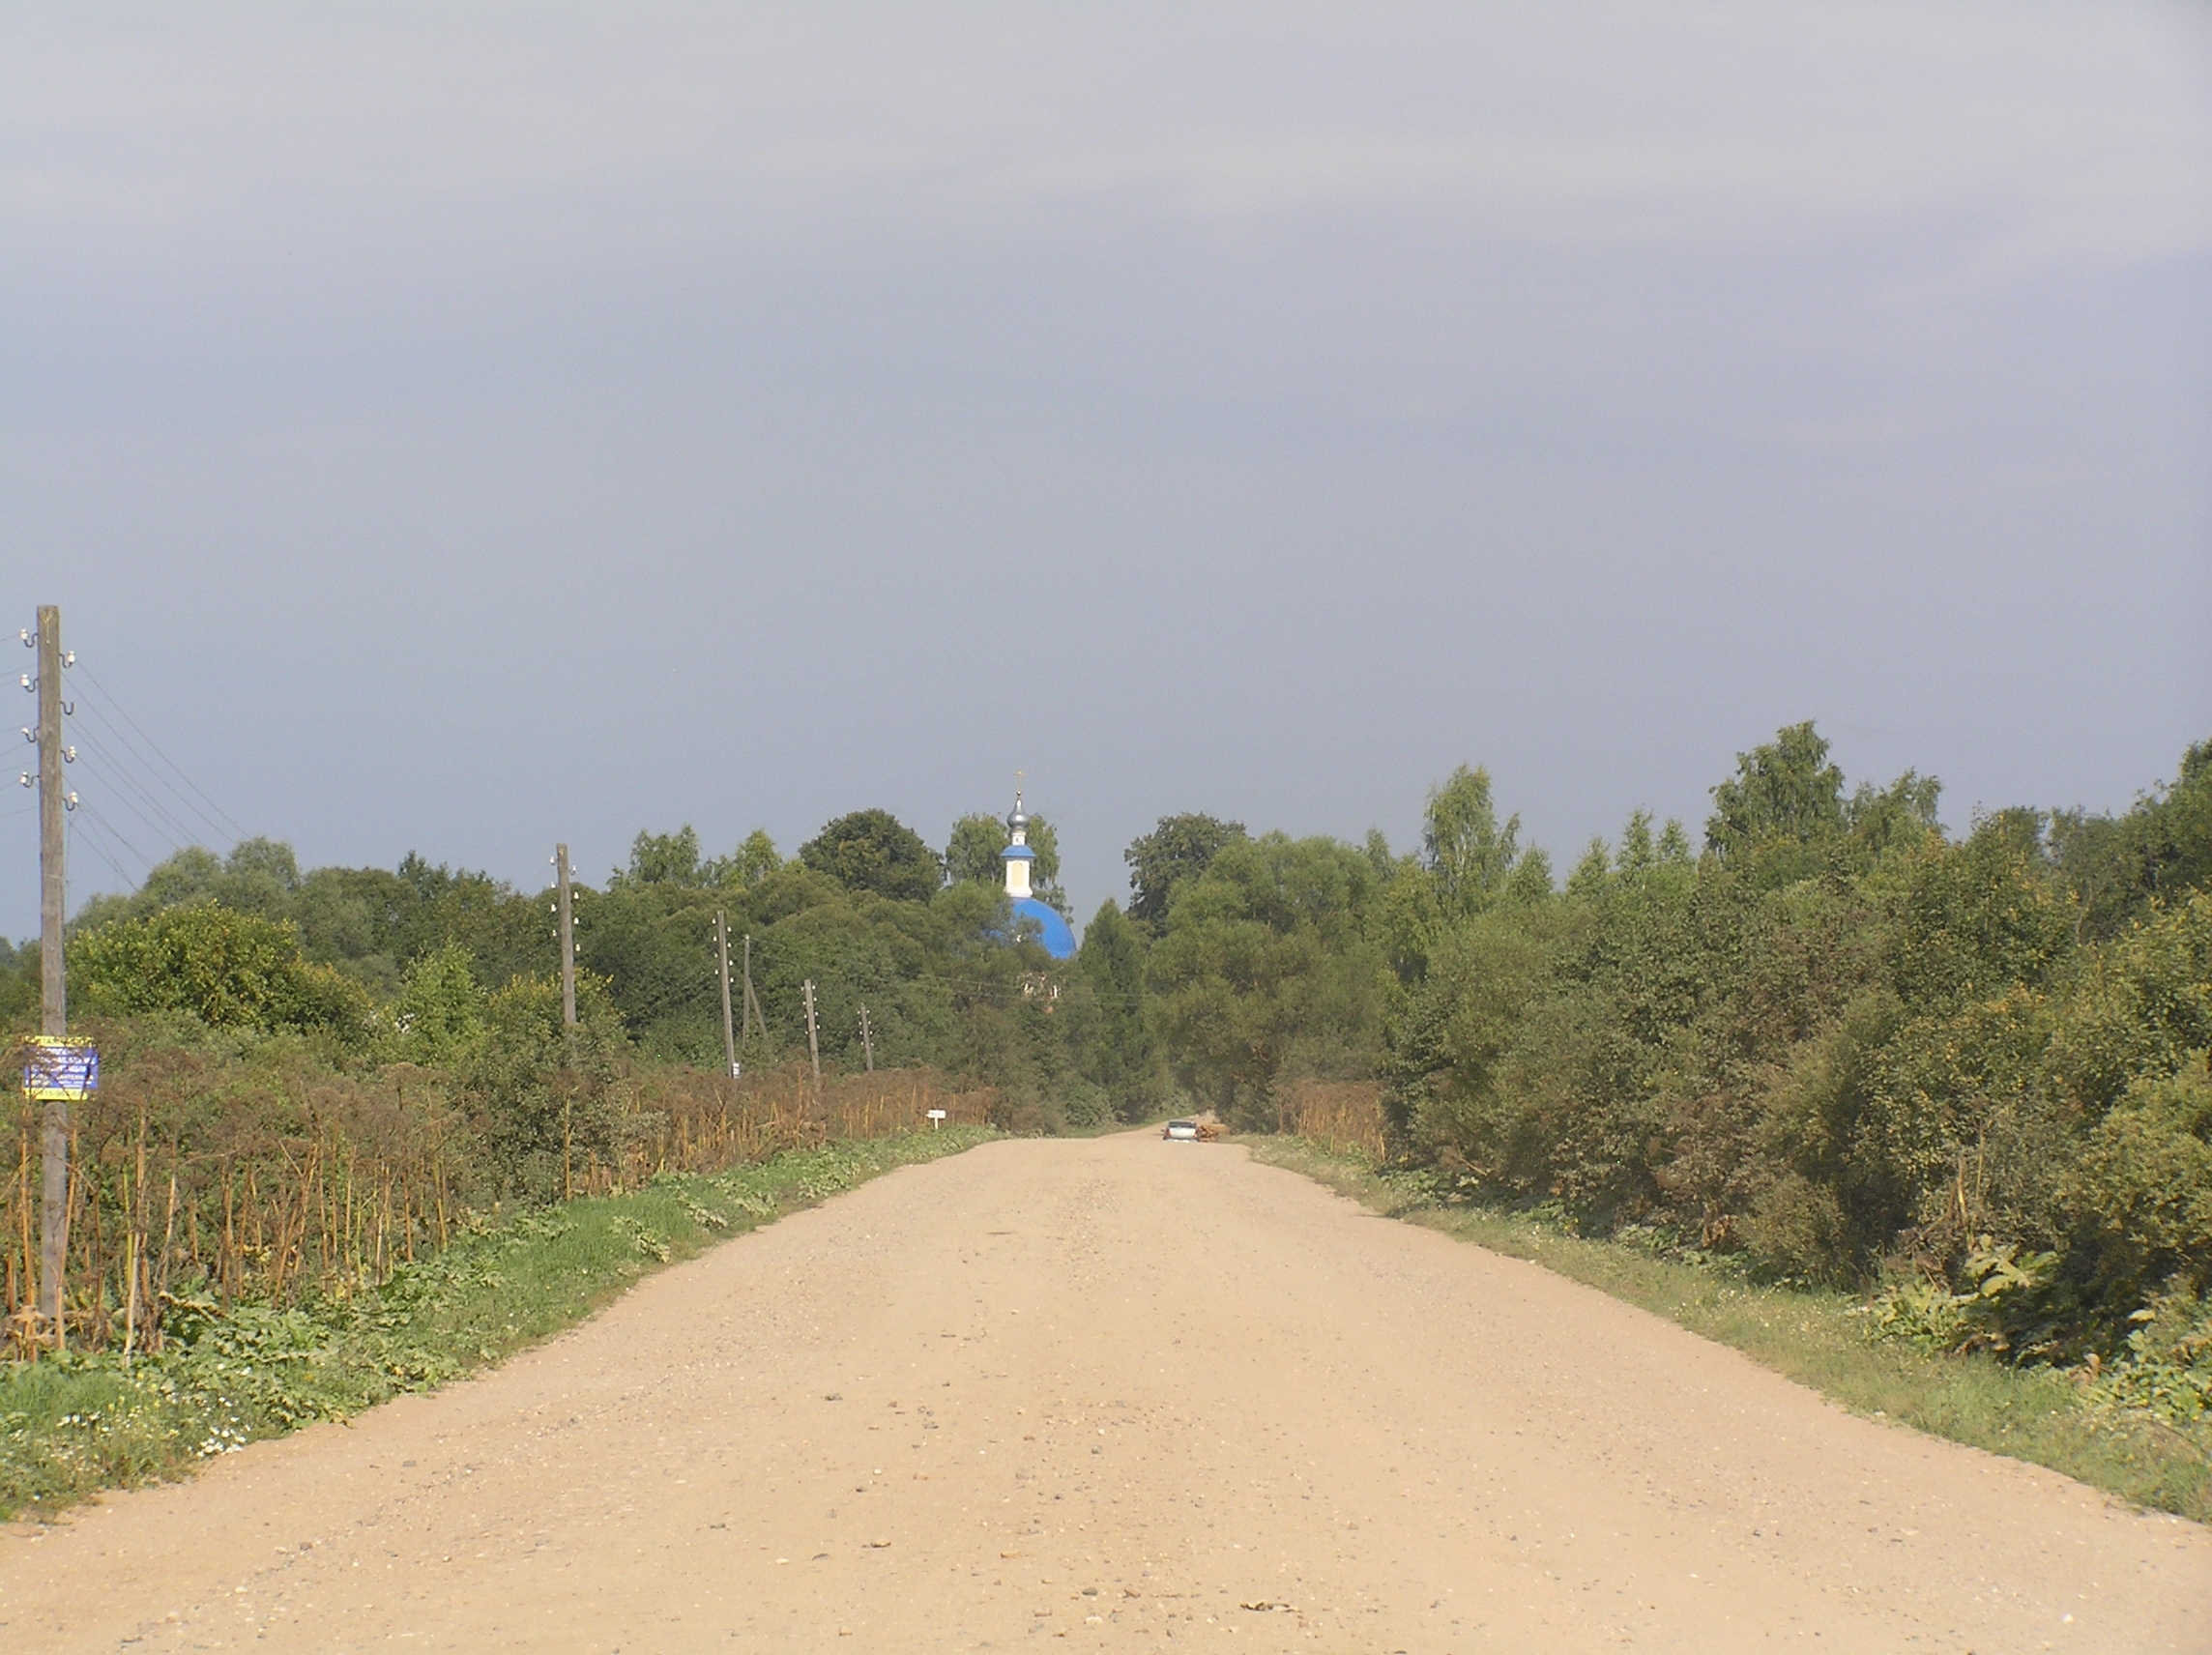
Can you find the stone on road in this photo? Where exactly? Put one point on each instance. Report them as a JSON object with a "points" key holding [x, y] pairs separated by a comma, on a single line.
{"points": [[1126, 1393]]}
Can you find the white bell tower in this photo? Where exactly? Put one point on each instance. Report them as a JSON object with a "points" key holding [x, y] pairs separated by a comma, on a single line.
{"points": [[1018, 855]]}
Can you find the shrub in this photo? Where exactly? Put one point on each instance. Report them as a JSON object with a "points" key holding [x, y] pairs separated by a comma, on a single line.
{"points": [[2144, 1185], [228, 969]]}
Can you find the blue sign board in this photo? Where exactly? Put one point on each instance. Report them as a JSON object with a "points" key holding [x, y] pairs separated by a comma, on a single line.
{"points": [[59, 1070]]}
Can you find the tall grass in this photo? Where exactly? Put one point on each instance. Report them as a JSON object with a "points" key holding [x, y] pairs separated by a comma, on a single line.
{"points": [[1342, 1117], [259, 1173]]}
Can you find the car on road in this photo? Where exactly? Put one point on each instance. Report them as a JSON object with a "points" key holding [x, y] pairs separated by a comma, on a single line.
{"points": [[1181, 1132]]}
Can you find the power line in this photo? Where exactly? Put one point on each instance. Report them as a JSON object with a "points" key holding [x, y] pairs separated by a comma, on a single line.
{"points": [[99, 849], [123, 760], [82, 830], [122, 786], [116, 701], [110, 830], [137, 783]]}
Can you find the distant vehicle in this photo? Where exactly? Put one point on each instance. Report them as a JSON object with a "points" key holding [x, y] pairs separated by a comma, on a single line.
{"points": [[1181, 1132]]}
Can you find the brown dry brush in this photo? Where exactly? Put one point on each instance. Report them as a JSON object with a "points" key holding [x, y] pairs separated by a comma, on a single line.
{"points": [[197, 1175], [1342, 1117]]}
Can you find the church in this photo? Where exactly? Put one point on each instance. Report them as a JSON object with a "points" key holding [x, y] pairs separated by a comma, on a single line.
{"points": [[1058, 938]]}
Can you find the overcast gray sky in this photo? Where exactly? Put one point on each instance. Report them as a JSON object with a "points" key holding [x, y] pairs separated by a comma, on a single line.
{"points": [[458, 428]]}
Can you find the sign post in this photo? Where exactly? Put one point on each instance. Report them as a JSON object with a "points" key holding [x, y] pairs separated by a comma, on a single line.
{"points": [[57, 1072], [936, 1118]]}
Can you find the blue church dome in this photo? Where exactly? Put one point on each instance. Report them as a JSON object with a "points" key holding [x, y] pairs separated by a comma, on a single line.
{"points": [[1058, 938], [1053, 931]]}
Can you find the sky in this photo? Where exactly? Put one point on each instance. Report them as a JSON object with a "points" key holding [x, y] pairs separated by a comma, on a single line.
{"points": [[458, 428]]}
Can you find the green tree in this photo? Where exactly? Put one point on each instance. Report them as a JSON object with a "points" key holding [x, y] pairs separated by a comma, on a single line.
{"points": [[260, 876], [976, 851], [18, 985], [1466, 852], [439, 1013], [1119, 1052], [1044, 873], [1898, 818], [228, 969], [752, 861], [2136, 1006], [1784, 792], [975, 848], [1268, 973], [1178, 849], [1468, 864], [1450, 1035], [2159, 850], [369, 923], [654, 945], [665, 858], [1527, 1051], [1586, 879], [507, 933], [873, 851], [353, 918], [261, 873], [2176, 833], [1979, 918], [193, 874]]}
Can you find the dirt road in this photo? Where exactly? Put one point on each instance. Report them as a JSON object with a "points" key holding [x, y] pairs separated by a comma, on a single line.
{"points": [[1129, 1394]]}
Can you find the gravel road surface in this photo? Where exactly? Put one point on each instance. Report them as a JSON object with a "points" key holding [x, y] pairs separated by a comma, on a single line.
{"points": [[1124, 1393]]}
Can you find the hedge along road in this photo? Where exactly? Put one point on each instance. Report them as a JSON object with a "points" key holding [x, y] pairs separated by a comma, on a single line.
{"points": [[1130, 1393]]}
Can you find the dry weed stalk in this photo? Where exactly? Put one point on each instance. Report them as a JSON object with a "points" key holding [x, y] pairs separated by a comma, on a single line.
{"points": [[190, 1177], [1340, 1116]]}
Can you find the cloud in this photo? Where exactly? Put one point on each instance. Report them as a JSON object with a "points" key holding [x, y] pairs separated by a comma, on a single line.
{"points": [[2074, 133]]}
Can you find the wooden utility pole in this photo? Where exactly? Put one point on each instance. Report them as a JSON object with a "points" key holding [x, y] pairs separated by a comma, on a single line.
{"points": [[54, 981], [867, 1040], [568, 912], [565, 906], [813, 1045], [729, 1035], [752, 1000]]}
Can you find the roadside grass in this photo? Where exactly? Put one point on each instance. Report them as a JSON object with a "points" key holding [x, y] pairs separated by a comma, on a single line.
{"points": [[75, 1425], [1819, 1339]]}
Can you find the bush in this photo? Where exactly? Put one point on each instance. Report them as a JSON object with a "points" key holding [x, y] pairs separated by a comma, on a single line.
{"points": [[543, 1094], [2143, 1003], [2168, 1369], [229, 970], [1800, 1229], [2144, 1186], [1083, 1104]]}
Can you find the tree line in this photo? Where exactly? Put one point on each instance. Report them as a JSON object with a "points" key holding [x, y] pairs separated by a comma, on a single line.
{"points": [[1828, 1038], [312, 1077], [431, 965], [1823, 1036]]}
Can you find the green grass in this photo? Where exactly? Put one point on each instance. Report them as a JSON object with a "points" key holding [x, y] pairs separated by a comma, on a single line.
{"points": [[71, 1425], [1821, 1340]]}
